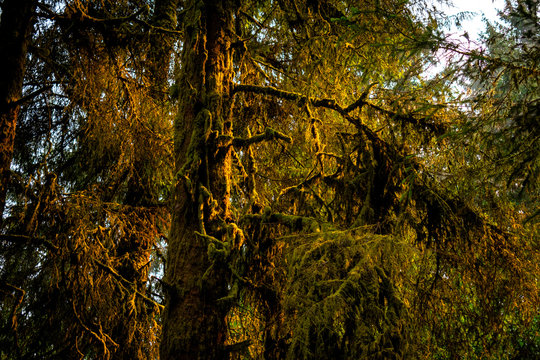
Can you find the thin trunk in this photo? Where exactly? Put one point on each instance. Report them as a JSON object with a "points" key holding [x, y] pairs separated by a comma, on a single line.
{"points": [[194, 319], [15, 31]]}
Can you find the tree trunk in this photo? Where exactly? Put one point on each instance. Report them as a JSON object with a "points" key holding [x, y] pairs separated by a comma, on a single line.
{"points": [[15, 31], [196, 276]]}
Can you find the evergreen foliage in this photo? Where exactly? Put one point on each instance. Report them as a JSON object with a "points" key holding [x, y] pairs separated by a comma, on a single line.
{"points": [[272, 180]]}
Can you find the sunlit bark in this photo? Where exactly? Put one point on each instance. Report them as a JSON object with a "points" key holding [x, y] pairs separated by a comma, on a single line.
{"points": [[194, 320]]}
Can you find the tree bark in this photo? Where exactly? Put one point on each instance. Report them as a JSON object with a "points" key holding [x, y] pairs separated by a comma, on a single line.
{"points": [[194, 319], [15, 31]]}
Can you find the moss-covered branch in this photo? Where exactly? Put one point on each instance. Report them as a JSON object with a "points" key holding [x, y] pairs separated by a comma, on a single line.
{"points": [[302, 185], [268, 135], [361, 100], [316, 102], [425, 123], [293, 222], [288, 95]]}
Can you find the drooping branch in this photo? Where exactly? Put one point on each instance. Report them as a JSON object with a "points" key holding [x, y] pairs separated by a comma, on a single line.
{"points": [[293, 222], [126, 283], [8, 289], [302, 185], [30, 96], [423, 122], [289, 95], [74, 12], [14, 238], [441, 203], [268, 90], [481, 55], [361, 100], [268, 135]]}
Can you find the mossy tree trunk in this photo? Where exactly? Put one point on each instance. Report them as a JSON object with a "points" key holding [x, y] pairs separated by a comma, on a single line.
{"points": [[15, 31], [194, 319]]}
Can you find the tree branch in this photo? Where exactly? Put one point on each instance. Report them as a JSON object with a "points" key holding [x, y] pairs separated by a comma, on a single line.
{"points": [[361, 100], [131, 285], [424, 122], [30, 96], [268, 90], [237, 347], [269, 134], [13, 238]]}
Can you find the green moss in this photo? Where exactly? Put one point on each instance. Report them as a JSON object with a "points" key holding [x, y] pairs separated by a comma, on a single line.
{"points": [[342, 299]]}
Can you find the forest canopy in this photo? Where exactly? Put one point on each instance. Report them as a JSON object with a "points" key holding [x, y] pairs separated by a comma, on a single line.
{"points": [[224, 179]]}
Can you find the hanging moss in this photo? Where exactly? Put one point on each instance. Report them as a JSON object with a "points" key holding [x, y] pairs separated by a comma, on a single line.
{"points": [[340, 301]]}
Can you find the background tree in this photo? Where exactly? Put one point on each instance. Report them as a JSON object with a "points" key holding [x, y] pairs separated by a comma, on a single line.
{"points": [[86, 211], [496, 161], [15, 29]]}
